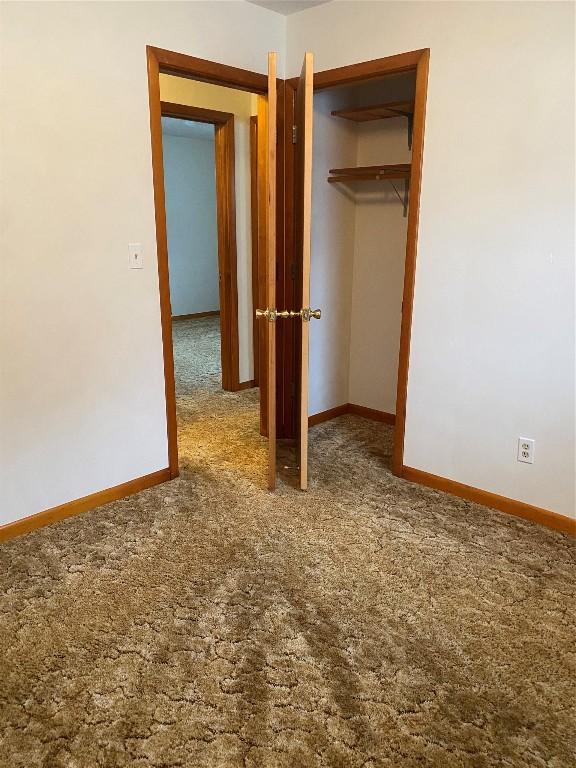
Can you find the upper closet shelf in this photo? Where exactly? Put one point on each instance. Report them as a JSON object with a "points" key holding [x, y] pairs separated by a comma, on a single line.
{"points": [[380, 112], [376, 111]]}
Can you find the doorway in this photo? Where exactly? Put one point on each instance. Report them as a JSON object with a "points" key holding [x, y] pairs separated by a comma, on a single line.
{"points": [[226, 104], [199, 170]]}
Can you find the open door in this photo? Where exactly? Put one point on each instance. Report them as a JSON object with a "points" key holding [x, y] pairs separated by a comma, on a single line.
{"points": [[266, 314], [302, 210]]}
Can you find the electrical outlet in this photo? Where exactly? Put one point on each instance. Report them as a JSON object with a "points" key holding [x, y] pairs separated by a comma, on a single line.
{"points": [[135, 255], [526, 450]]}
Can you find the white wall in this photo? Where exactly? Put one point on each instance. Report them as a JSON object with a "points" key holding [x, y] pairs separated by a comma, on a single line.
{"points": [[82, 378], [332, 257], [242, 105], [80, 347], [190, 189], [492, 353], [380, 248]]}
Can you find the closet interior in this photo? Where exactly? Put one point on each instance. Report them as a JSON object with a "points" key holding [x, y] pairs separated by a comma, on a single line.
{"points": [[360, 199]]}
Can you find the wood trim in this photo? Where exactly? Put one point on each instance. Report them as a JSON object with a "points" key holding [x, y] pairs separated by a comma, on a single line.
{"points": [[270, 213], [71, 508], [357, 410], [262, 300], [331, 413], [288, 280], [162, 257], [372, 413], [225, 165], [494, 501], [366, 70], [196, 315], [198, 114], [254, 241], [246, 385], [171, 63], [303, 121], [410, 260], [227, 256]]}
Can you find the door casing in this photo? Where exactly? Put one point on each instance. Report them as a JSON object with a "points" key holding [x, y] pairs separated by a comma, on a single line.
{"points": [[161, 61], [223, 123]]}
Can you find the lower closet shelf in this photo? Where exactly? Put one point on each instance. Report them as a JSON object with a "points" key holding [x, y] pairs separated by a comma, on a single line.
{"points": [[370, 173]]}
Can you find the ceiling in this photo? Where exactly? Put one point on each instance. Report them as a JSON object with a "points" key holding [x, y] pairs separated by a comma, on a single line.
{"points": [[174, 126], [286, 7]]}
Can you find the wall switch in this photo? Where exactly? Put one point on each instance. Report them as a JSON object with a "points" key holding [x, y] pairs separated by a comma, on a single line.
{"points": [[526, 450], [135, 255]]}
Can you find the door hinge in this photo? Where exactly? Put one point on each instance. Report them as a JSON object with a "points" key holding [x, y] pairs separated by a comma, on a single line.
{"points": [[294, 134]]}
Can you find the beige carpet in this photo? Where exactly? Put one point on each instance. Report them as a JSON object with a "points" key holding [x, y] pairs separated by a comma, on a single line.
{"points": [[367, 623]]}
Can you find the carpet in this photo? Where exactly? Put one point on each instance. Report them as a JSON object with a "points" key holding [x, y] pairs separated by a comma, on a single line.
{"points": [[205, 623]]}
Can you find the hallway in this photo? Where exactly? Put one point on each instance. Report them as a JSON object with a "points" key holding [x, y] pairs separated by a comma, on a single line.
{"points": [[208, 623], [217, 430]]}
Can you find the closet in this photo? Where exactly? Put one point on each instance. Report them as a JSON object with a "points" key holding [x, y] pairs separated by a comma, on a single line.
{"points": [[360, 200]]}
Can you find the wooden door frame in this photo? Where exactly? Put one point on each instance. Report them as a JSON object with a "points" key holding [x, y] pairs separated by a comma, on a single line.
{"points": [[161, 61], [413, 61], [223, 123], [254, 228]]}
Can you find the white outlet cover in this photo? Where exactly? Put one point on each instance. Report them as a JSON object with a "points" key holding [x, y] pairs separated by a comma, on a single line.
{"points": [[135, 256], [526, 446]]}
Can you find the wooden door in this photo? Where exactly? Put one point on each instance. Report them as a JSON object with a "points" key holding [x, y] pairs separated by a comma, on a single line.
{"points": [[266, 312], [302, 210]]}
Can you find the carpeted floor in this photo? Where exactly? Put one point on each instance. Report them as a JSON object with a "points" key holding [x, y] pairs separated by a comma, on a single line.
{"points": [[206, 622]]}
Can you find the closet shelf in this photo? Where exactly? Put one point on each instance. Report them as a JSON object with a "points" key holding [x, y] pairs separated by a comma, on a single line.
{"points": [[376, 111], [376, 173], [370, 173], [380, 112]]}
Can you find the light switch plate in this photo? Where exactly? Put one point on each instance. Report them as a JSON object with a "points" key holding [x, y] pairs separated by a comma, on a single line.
{"points": [[135, 255]]}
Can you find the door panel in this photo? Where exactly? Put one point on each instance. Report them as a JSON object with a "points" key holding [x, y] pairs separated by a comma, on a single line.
{"points": [[302, 213], [267, 265], [262, 258]]}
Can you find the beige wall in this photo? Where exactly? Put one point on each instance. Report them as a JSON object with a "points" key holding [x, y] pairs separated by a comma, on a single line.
{"points": [[80, 348], [377, 284], [493, 344], [179, 90], [493, 335], [332, 256]]}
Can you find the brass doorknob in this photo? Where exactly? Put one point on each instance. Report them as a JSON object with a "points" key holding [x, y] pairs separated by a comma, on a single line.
{"points": [[267, 314], [273, 314], [307, 314]]}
